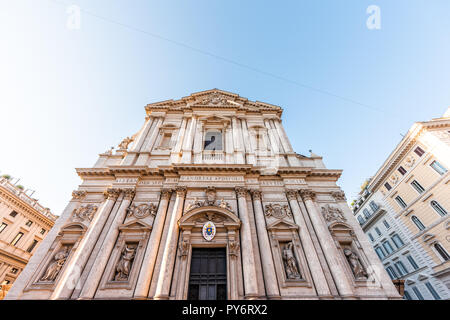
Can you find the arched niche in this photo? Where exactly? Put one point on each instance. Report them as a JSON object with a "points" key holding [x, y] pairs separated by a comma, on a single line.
{"points": [[227, 236]]}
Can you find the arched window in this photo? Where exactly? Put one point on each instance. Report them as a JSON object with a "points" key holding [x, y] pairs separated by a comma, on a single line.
{"points": [[418, 223], [441, 251], [438, 208]]}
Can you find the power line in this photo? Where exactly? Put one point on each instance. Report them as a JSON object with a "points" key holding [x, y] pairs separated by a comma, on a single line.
{"points": [[227, 60]]}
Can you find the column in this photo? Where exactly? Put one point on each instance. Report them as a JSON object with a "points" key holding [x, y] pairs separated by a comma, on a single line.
{"points": [[291, 155], [94, 277], [239, 156], [187, 145], [175, 155], [385, 280], [151, 252], [137, 144], [3, 270], [229, 144], [270, 275], [41, 251], [248, 257], [320, 282], [329, 247], [65, 286], [170, 248], [248, 148], [198, 143], [148, 144]]}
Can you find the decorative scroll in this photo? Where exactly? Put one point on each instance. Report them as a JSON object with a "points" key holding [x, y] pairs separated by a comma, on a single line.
{"points": [[78, 195], [307, 194], [233, 248], [339, 195]]}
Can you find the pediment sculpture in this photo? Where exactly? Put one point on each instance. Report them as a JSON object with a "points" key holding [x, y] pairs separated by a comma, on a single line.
{"points": [[143, 210], [332, 213], [199, 203], [277, 211], [83, 213]]}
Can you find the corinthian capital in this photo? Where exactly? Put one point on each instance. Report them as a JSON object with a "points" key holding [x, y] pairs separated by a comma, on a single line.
{"points": [[240, 192], [128, 193], [166, 193], [307, 194], [112, 193], [181, 191], [78, 195], [256, 194], [291, 194], [339, 195]]}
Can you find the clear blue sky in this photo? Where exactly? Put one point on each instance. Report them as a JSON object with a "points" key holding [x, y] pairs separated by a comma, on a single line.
{"points": [[68, 95]]}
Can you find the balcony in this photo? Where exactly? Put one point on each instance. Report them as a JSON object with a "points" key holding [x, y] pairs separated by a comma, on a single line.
{"points": [[375, 212], [212, 157]]}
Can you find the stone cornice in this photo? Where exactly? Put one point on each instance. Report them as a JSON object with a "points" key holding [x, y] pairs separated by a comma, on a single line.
{"points": [[25, 207]]}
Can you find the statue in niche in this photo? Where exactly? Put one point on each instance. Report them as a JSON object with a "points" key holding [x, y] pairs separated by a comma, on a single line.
{"points": [[124, 266], [290, 263], [355, 264], [55, 267]]}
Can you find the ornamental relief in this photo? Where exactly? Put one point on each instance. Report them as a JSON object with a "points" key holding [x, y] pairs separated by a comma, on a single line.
{"points": [[394, 178], [332, 214], [209, 216], [83, 213], [409, 161], [277, 211], [142, 211]]}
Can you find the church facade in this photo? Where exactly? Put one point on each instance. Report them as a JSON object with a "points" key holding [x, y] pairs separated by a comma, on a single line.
{"points": [[208, 200]]}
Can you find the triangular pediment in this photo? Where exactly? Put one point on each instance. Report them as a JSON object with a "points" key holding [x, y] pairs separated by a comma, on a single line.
{"points": [[282, 225], [135, 225], [214, 98]]}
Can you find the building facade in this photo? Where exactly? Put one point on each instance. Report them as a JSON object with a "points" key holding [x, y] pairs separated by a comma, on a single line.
{"points": [[404, 211], [24, 223], [208, 200]]}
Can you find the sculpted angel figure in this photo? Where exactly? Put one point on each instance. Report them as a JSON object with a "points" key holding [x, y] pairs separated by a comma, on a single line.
{"points": [[125, 142], [355, 264], [124, 266], [55, 267], [290, 263]]}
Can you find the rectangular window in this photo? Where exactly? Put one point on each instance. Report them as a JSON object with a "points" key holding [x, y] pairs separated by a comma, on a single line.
{"points": [[387, 246], [407, 296], [378, 231], [438, 167], [14, 270], [366, 213], [213, 140], [432, 291], [13, 213], [29, 223], [386, 224], [42, 231], [401, 170], [17, 238], [371, 236], [400, 202], [401, 268], [380, 253], [419, 151], [387, 186], [417, 186], [32, 246], [361, 220], [3, 226], [412, 262], [417, 292], [397, 241], [391, 272]]}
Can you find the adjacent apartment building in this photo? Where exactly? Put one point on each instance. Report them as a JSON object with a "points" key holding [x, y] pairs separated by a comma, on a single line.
{"points": [[404, 208], [24, 223]]}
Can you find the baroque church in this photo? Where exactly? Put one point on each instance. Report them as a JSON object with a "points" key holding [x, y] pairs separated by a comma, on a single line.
{"points": [[208, 200]]}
